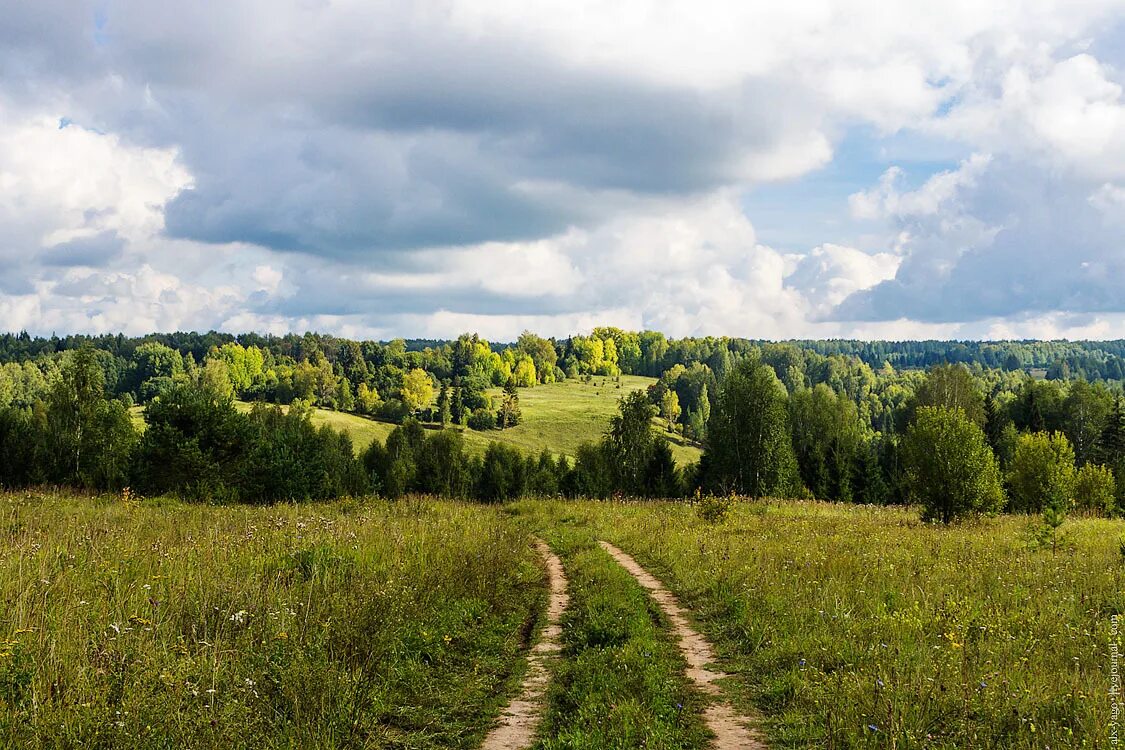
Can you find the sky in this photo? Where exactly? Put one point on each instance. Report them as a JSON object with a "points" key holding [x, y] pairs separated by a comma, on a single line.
{"points": [[427, 168]]}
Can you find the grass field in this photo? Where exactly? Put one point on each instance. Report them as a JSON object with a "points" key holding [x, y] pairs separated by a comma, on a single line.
{"points": [[854, 626], [560, 416], [400, 625], [158, 624]]}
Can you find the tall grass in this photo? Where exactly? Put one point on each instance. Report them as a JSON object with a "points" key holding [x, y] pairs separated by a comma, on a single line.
{"points": [[855, 626], [160, 624]]}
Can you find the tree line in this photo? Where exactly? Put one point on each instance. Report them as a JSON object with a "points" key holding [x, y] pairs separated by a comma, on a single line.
{"points": [[772, 419]]}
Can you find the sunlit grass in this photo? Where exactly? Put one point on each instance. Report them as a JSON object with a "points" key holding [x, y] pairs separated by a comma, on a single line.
{"points": [[161, 624], [854, 626]]}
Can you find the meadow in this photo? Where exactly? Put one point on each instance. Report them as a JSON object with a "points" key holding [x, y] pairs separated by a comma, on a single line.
{"points": [[356, 624], [367, 623], [862, 627]]}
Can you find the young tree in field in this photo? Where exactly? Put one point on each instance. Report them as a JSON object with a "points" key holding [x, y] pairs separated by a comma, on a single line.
{"points": [[509, 414], [1041, 474], [949, 468], [1095, 489], [747, 448], [417, 389]]}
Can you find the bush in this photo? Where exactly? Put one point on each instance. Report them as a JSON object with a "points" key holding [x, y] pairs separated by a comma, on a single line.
{"points": [[1042, 473], [1095, 489], [482, 420]]}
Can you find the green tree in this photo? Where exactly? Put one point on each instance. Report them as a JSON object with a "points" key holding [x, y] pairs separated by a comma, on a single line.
{"points": [[748, 448], [828, 441], [89, 437], [1095, 489], [509, 414], [1086, 409], [542, 353], [630, 442], [949, 468], [1041, 474], [215, 375], [417, 389], [670, 408], [444, 405], [953, 387], [366, 399]]}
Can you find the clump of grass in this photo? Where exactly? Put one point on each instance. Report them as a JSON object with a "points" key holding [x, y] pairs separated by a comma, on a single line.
{"points": [[713, 508], [852, 626], [621, 681], [161, 624]]}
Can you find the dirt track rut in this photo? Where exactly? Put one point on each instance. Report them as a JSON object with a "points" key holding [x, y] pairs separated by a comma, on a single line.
{"points": [[731, 729], [521, 717]]}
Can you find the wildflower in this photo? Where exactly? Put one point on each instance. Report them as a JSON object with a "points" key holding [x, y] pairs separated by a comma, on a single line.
{"points": [[872, 728], [801, 663], [239, 617]]}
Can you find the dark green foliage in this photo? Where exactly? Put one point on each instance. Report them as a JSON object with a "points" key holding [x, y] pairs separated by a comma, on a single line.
{"points": [[199, 446], [482, 420], [630, 444], [290, 459], [829, 444], [196, 445], [503, 474], [441, 465]]}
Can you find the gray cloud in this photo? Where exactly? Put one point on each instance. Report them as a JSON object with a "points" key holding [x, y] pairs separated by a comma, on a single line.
{"points": [[1015, 240], [97, 251]]}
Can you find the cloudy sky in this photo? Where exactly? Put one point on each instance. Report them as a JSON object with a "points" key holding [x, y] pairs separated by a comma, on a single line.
{"points": [[418, 168]]}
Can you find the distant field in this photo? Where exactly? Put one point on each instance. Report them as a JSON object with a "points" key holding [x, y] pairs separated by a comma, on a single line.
{"points": [[161, 624], [557, 416], [862, 627], [561, 416]]}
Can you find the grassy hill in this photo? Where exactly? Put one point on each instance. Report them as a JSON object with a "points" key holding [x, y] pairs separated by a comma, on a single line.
{"points": [[556, 416], [561, 416]]}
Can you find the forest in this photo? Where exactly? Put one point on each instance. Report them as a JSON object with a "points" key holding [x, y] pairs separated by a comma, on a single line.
{"points": [[959, 428]]}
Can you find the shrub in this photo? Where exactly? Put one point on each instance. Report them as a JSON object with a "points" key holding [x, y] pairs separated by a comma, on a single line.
{"points": [[481, 420], [1095, 489], [1042, 472]]}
